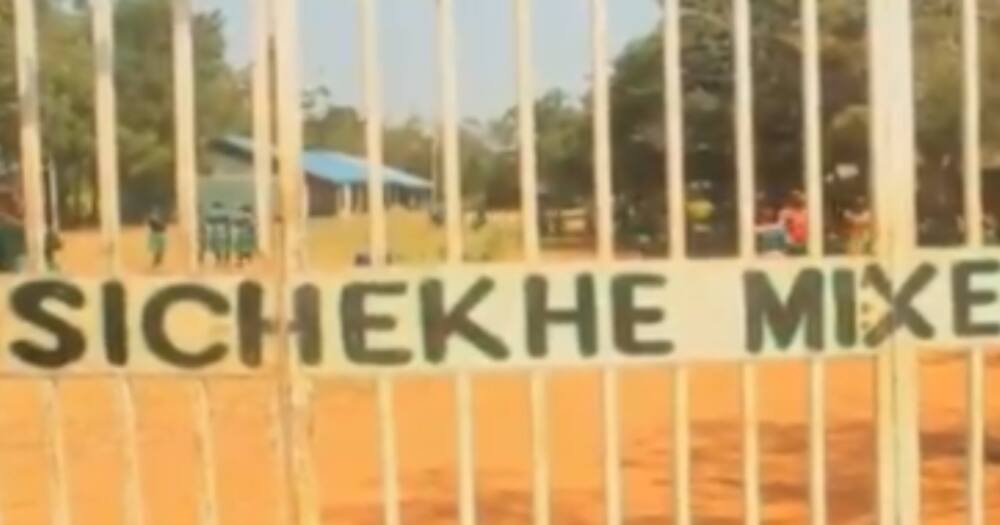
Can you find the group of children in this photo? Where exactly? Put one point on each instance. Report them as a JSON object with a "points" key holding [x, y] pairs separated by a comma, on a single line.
{"points": [[229, 237], [785, 230]]}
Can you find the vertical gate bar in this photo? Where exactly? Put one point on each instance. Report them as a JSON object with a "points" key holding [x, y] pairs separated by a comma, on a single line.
{"points": [[528, 171], [34, 224], [745, 175], [107, 166], [387, 448], [975, 444], [206, 449], [286, 510], [528, 162], [971, 123], [59, 479], [454, 218], [682, 446], [31, 147], [134, 502], [602, 130], [296, 391], [263, 157], [812, 115], [373, 131], [540, 490], [885, 458], [184, 128], [377, 234], [605, 249], [107, 144], [187, 214], [901, 178], [454, 212], [971, 157], [674, 126], [812, 111]]}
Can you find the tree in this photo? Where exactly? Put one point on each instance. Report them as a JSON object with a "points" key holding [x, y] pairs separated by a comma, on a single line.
{"points": [[144, 74]]}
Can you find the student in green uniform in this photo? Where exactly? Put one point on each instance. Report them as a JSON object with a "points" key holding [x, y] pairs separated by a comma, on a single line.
{"points": [[245, 236], [217, 234], [157, 241], [203, 228], [52, 245]]}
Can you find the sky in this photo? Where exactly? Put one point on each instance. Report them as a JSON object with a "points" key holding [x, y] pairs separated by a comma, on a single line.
{"points": [[329, 39]]}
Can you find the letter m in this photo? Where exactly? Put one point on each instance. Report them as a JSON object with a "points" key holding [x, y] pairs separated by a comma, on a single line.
{"points": [[766, 309]]}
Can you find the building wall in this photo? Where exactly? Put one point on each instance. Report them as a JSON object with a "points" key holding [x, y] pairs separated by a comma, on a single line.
{"points": [[230, 180]]}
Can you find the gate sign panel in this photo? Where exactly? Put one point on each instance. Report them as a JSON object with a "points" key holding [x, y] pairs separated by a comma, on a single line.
{"points": [[518, 317], [502, 316]]}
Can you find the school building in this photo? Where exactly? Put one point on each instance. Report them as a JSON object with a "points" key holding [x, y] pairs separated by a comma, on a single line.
{"points": [[337, 183]]}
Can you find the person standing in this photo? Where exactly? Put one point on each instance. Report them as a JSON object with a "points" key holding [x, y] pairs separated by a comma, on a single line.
{"points": [[795, 220], [52, 245], [217, 234], [771, 235], [157, 241], [700, 218], [858, 223], [245, 236]]}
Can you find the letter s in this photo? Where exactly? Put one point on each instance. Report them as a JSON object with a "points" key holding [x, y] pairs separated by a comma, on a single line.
{"points": [[27, 302]]}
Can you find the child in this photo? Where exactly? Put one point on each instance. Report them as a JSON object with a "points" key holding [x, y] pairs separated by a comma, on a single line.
{"points": [[157, 238], [203, 231], [245, 236], [771, 237], [52, 244], [858, 222], [794, 219], [218, 226]]}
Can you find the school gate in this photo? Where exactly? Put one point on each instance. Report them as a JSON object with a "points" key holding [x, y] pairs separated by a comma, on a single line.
{"points": [[461, 320]]}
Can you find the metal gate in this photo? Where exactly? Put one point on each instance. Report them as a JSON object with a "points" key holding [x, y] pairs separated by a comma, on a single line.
{"points": [[893, 166]]}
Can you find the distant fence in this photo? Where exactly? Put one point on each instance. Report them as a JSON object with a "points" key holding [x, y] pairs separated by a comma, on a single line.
{"points": [[462, 319]]}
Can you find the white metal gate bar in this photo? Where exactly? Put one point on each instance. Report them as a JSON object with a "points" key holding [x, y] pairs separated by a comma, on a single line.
{"points": [[372, 87], [186, 169], [745, 175], [677, 245], [185, 160], [34, 221], [605, 247], [877, 57], [900, 177], [298, 388], [263, 155], [528, 176], [971, 165], [107, 166], [31, 147], [812, 111], [454, 219], [893, 133]]}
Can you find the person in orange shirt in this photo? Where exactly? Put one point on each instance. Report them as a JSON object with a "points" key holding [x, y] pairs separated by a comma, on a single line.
{"points": [[795, 220]]}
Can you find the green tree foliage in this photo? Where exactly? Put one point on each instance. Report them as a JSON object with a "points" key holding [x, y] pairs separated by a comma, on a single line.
{"points": [[144, 81], [489, 159]]}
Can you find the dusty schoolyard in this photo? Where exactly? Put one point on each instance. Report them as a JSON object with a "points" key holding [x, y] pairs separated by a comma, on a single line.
{"points": [[345, 444]]}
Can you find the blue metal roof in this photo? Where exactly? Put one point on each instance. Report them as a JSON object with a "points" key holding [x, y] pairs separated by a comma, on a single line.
{"points": [[333, 166]]}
